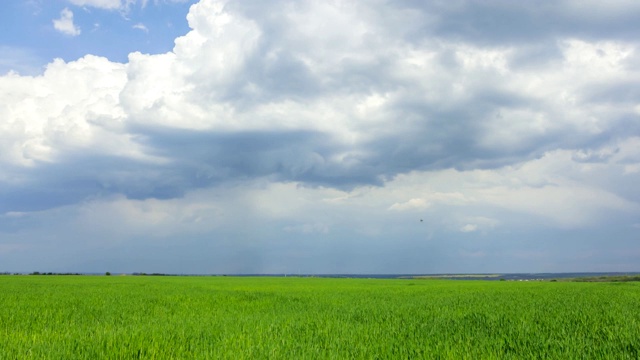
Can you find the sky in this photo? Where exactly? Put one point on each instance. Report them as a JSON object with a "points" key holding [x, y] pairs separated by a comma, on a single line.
{"points": [[319, 137]]}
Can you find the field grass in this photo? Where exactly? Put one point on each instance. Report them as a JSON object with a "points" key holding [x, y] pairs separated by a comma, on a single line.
{"points": [[117, 317]]}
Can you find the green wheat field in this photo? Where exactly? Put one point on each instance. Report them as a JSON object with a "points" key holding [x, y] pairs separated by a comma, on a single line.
{"points": [[131, 317]]}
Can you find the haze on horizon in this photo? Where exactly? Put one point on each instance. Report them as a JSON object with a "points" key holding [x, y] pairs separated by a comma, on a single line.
{"points": [[319, 137]]}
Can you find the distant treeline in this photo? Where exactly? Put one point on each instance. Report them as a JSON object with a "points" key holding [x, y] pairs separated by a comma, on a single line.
{"points": [[601, 278], [617, 278], [152, 274], [40, 273], [70, 273]]}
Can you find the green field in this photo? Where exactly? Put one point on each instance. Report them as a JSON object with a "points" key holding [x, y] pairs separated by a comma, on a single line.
{"points": [[125, 317]]}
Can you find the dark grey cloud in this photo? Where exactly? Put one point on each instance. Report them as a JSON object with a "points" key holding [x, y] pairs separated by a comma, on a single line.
{"points": [[508, 23], [614, 92], [79, 178]]}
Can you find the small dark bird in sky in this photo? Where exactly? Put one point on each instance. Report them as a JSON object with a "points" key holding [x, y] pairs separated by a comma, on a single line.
{"points": [[420, 220]]}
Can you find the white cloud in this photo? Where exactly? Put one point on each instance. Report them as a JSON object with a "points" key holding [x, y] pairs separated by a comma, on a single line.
{"points": [[122, 5], [65, 23], [469, 228], [103, 4], [413, 204], [478, 223], [452, 198], [141, 26], [48, 122]]}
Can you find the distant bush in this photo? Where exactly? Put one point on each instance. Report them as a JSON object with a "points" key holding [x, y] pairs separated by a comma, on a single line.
{"points": [[50, 273]]}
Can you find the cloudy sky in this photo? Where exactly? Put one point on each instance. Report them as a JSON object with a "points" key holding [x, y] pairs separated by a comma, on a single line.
{"points": [[319, 136]]}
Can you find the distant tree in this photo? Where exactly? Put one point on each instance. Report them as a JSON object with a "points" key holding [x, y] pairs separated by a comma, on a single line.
{"points": [[107, 273]]}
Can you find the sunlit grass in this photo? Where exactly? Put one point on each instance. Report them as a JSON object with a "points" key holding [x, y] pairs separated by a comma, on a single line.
{"points": [[89, 317]]}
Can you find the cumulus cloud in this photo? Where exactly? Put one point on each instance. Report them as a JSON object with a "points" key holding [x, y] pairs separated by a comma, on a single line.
{"points": [[244, 97], [296, 96], [65, 23]]}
